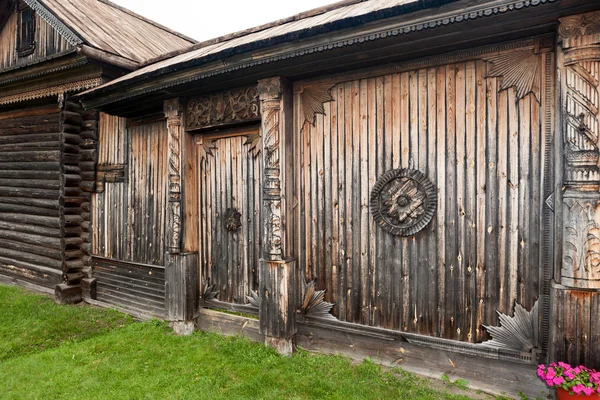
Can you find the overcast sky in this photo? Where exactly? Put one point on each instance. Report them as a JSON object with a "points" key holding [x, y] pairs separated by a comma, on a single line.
{"points": [[207, 19]]}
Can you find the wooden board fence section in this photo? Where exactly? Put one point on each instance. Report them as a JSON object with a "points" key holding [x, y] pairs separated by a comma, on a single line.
{"points": [[229, 178], [30, 181], [134, 286], [130, 217], [482, 149]]}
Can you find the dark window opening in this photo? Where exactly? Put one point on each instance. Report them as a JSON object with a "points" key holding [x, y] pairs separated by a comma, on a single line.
{"points": [[26, 34]]}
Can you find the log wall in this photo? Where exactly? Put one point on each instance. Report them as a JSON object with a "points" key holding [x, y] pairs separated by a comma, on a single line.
{"points": [[484, 149], [230, 178], [48, 42], [30, 191]]}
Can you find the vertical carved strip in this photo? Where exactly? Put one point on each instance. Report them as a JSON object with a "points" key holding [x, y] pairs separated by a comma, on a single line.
{"points": [[173, 113], [270, 92]]}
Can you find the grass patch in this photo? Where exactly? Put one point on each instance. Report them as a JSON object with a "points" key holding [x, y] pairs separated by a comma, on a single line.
{"points": [[120, 359]]}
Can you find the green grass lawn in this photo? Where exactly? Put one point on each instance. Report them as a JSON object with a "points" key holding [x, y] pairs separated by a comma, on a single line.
{"points": [[80, 352]]}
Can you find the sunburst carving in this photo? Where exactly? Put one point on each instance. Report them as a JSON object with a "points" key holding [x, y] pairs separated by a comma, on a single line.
{"points": [[208, 291], [314, 304], [254, 299], [254, 143], [314, 98], [518, 333], [518, 69], [205, 148]]}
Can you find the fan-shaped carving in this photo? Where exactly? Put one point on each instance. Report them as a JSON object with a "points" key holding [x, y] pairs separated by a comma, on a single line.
{"points": [[519, 333], [518, 69], [314, 304], [254, 143], [208, 291], [205, 148], [254, 299], [313, 99]]}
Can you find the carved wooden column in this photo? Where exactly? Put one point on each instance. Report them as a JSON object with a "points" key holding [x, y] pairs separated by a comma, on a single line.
{"points": [[182, 274], [576, 289], [277, 269]]}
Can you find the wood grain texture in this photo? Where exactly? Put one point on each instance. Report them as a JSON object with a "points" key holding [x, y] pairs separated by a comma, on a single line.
{"points": [[479, 146]]}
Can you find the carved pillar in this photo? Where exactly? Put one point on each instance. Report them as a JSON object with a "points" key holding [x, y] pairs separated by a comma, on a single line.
{"points": [[277, 269], [182, 275], [576, 289]]}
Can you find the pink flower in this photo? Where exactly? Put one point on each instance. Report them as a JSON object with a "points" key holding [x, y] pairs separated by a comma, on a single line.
{"points": [[559, 380], [588, 391], [563, 365], [578, 389], [550, 382], [569, 374], [551, 373]]}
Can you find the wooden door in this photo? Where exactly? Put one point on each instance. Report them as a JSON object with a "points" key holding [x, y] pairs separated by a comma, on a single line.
{"points": [[229, 203]]}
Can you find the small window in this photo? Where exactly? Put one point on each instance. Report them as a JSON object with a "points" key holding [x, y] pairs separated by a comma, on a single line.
{"points": [[26, 34]]}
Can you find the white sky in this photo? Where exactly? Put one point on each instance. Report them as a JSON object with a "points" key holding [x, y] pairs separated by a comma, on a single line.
{"points": [[207, 19]]}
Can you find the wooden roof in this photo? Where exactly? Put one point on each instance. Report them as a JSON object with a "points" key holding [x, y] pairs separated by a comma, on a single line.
{"points": [[108, 27]]}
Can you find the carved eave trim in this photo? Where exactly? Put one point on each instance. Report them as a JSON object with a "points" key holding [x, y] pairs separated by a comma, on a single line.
{"points": [[449, 18], [66, 32], [313, 98], [51, 91], [519, 70]]}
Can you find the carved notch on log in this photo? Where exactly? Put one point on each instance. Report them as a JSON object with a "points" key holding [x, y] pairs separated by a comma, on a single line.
{"points": [[107, 173]]}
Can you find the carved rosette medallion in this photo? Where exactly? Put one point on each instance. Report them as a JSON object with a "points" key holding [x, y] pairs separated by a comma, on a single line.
{"points": [[223, 108], [232, 220], [403, 201]]}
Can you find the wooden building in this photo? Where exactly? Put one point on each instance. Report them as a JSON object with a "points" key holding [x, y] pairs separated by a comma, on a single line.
{"points": [[427, 163], [50, 50]]}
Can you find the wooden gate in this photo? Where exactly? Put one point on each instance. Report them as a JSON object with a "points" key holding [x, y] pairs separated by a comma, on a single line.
{"points": [[229, 204]]}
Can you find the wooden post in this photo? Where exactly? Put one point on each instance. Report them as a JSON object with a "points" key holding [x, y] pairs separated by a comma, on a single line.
{"points": [[277, 269], [575, 329], [182, 275]]}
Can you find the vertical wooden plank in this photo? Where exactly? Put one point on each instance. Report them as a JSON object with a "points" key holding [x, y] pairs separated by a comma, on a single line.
{"points": [[524, 205], [419, 271], [365, 98], [502, 178], [354, 287], [400, 264], [480, 222], [432, 294], [327, 202], [461, 158], [374, 119], [341, 103], [451, 218], [333, 294], [513, 193], [470, 261], [441, 212]]}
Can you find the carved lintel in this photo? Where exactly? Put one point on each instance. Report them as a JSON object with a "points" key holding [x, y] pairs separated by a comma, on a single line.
{"points": [[313, 98], [518, 69], [107, 173], [270, 91], [232, 106], [173, 112], [581, 241], [581, 29]]}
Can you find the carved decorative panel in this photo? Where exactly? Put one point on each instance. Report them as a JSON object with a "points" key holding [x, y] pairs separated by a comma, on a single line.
{"points": [[403, 201], [313, 98], [223, 108], [581, 243], [519, 332]]}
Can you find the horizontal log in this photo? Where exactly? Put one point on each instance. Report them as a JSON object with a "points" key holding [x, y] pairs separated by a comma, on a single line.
{"points": [[87, 166], [88, 144], [52, 137], [32, 229], [71, 138], [71, 191], [45, 111], [86, 207], [27, 248], [38, 240], [72, 201], [37, 175], [110, 295], [72, 242], [74, 265], [21, 270], [71, 220], [30, 166], [29, 121], [51, 204], [35, 259], [30, 156], [89, 135], [68, 148], [88, 155], [71, 118], [72, 169], [68, 128], [38, 220], [156, 292], [23, 209], [71, 180], [30, 183], [30, 146], [29, 192], [88, 186]]}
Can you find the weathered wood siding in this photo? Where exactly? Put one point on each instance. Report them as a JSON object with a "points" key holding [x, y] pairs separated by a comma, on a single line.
{"points": [[129, 217], [229, 178], [48, 42], [484, 151], [30, 182]]}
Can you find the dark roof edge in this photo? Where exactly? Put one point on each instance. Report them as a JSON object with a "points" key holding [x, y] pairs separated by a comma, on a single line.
{"points": [[148, 21], [238, 34], [74, 38]]}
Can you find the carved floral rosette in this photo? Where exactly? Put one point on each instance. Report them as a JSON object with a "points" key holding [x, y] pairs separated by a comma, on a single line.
{"points": [[223, 108], [403, 201]]}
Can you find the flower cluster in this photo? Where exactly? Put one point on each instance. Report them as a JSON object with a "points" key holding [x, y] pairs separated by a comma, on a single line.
{"points": [[577, 380]]}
